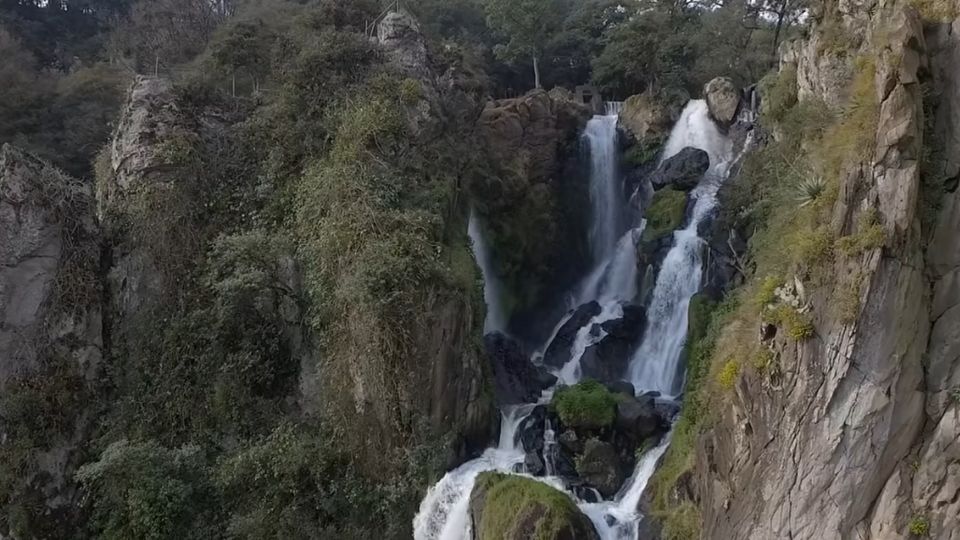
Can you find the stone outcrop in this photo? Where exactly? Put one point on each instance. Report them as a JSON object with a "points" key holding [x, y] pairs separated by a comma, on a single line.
{"points": [[50, 320], [858, 436], [534, 132], [400, 36], [723, 100], [645, 117]]}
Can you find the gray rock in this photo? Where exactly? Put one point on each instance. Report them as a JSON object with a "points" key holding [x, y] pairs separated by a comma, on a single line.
{"points": [[400, 36], [682, 171], [600, 467], [558, 352], [723, 100], [515, 378]]}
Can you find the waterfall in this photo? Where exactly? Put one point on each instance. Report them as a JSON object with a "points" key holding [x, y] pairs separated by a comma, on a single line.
{"points": [[655, 365], [496, 320], [444, 512], [606, 187]]}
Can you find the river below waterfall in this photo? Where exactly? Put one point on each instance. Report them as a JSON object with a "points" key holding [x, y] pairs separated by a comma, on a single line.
{"points": [[655, 364]]}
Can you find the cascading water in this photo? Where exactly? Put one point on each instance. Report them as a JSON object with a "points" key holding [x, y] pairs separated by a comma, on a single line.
{"points": [[655, 365], [496, 320], [444, 511], [606, 194]]}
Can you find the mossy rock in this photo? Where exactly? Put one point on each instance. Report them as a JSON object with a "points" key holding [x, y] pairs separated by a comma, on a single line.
{"points": [[665, 213], [511, 507], [587, 405]]}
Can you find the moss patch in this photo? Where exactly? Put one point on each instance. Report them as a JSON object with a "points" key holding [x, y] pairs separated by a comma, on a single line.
{"points": [[517, 507], [585, 405], [665, 213]]}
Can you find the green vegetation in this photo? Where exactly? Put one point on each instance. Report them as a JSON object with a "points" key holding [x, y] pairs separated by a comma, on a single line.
{"points": [[729, 374], [799, 326], [511, 501], [778, 91], [665, 213], [936, 10], [870, 235], [763, 359], [919, 526], [767, 292], [587, 404]]}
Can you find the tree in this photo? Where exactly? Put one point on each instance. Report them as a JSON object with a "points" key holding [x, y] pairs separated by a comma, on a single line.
{"points": [[527, 25]]}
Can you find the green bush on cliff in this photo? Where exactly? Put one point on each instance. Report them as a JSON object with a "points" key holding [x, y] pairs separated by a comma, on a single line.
{"points": [[665, 213], [516, 507], [587, 404], [778, 90]]}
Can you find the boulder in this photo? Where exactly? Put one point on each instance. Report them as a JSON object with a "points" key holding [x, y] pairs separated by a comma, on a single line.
{"points": [[558, 352], [600, 466], [511, 507], [607, 360], [638, 419], [645, 117], [723, 100], [531, 429], [621, 387], [533, 464], [515, 378], [682, 171], [570, 442]]}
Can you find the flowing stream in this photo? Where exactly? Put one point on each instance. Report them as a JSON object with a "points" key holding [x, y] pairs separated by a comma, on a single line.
{"points": [[496, 320], [444, 511]]}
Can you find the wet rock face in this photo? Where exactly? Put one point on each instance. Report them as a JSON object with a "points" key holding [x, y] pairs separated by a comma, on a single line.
{"points": [[600, 467], [607, 360], [558, 353], [723, 100], [515, 378], [682, 171]]}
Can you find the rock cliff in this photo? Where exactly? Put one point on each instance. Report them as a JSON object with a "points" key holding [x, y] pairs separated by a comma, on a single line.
{"points": [[51, 344], [857, 437]]}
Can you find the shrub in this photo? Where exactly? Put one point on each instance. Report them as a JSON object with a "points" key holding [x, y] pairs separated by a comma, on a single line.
{"points": [[762, 359], [919, 526], [729, 373], [665, 213], [848, 298], [587, 404], [810, 189], [813, 247], [936, 10], [143, 490], [778, 91], [766, 294], [870, 235], [799, 326]]}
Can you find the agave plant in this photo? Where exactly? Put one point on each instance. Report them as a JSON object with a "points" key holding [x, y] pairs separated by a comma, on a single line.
{"points": [[810, 189]]}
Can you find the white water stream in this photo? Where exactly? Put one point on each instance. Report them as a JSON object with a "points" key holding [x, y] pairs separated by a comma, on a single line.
{"points": [[444, 512]]}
